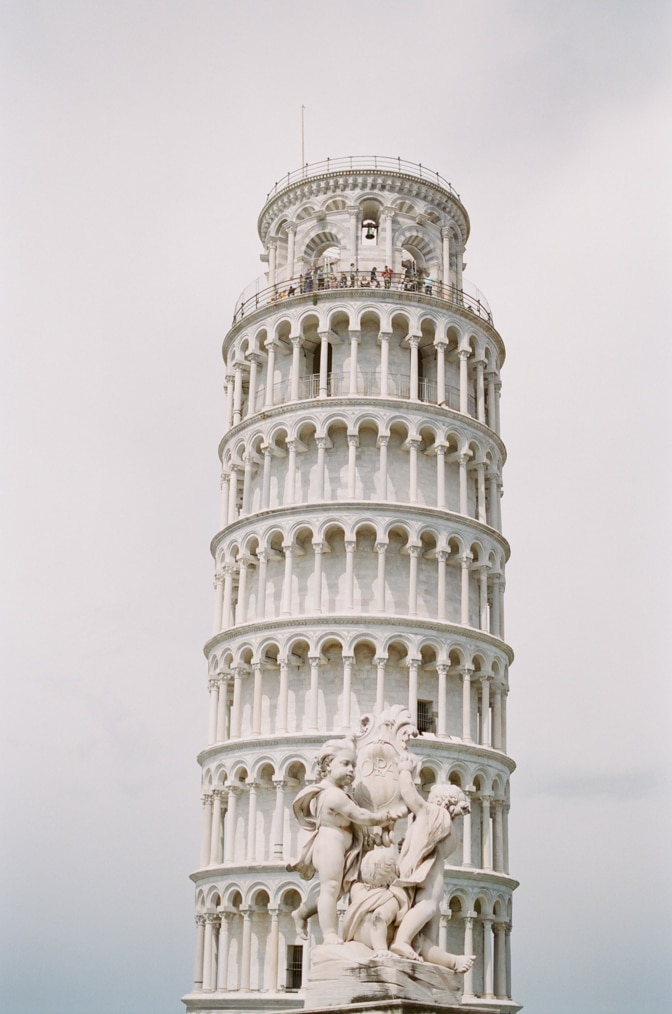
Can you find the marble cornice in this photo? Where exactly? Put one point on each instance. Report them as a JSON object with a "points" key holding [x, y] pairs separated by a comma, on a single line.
{"points": [[377, 508], [404, 626], [424, 409], [450, 749], [457, 874], [395, 296]]}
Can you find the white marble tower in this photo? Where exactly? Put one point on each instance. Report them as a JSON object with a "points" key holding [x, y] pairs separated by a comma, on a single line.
{"points": [[359, 562]]}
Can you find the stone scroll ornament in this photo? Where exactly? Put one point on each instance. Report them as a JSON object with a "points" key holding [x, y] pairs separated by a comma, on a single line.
{"points": [[389, 947]]}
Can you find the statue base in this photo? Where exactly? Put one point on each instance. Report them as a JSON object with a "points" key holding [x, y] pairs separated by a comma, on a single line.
{"points": [[349, 974]]}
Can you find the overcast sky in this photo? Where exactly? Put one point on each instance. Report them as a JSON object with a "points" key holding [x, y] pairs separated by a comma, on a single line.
{"points": [[139, 140]]}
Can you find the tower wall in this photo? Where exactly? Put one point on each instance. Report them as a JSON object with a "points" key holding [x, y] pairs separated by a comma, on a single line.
{"points": [[360, 561]]}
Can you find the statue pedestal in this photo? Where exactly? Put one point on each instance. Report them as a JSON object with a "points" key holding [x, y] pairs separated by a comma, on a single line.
{"points": [[349, 975]]}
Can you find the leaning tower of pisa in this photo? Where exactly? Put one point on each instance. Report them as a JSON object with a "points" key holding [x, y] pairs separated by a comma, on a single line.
{"points": [[359, 563]]}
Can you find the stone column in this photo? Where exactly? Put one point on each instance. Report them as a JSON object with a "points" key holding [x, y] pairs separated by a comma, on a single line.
{"points": [[354, 341], [270, 373], [483, 597], [267, 451], [382, 443], [464, 381], [278, 818], [258, 670], [491, 377], [413, 664], [228, 403], [444, 919], [413, 446], [233, 493], [441, 557], [218, 585], [498, 834], [252, 788], [468, 993], [493, 496], [248, 461], [488, 990], [498, 393], [255, 361], [505, 694], [465, 674], [480, 390], [237, 393], [230, 824], [353, 212], [486, 836], [495, 618], [223, 951], [283, 695], [505, 837], [466, 834], [206, 828], [216, 829], [241, 607], [445, 249], [246, 950], [465, 561], [414, 342], [273, 947], [353, 444], [228, 597], [497, 716], [324, 363], [442, 671], [384, 362], [291, 243], [236, 708], [413, 552], [262, 557], [287, 582], [350, 546], [211, 925], [441, 345], [507, 944], [347, 691], [224, 487], [464, 499], [291, 472], [485, 709], [321, 447], [198, 955], [388, 217], [223, 709], [440, 451], [272, 258], [380, 684], [213, 702], [480, 487], [380, 598], [296, 367], [314, 661], [318, 550]]}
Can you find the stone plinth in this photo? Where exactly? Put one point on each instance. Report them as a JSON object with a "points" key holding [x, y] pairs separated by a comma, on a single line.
{"points": [[349, 974]]}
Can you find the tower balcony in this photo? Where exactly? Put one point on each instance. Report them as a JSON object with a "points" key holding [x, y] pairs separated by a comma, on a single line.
{"points": [[346, 283]]}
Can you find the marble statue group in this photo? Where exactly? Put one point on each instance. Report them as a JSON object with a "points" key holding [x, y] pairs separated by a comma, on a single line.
{"points": [[366, 785]]}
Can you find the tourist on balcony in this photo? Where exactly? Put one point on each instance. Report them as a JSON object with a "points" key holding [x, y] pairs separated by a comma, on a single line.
{"points": [[387, 276]]}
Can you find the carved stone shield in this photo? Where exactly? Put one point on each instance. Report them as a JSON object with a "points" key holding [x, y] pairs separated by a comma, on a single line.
{"points": [[382, 740]]}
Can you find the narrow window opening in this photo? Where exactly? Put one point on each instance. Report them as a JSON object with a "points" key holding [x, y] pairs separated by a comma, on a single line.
{"points": [[294, 967]]}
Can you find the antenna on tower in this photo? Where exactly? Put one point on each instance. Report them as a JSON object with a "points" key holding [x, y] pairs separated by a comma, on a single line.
{"points": [[303, 149]]}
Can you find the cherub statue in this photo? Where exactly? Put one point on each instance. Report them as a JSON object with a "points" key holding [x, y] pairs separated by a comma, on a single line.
{"points": [[429, 841], [378, 903], [335, 844]]}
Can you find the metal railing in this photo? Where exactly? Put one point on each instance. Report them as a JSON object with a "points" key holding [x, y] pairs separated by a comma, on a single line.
{"points": [[360, 282], [367, 385], [354, 163]]}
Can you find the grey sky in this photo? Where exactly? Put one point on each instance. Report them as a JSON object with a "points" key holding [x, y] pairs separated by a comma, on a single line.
{"points": [[139, 141]]}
